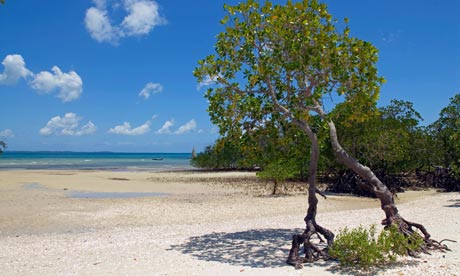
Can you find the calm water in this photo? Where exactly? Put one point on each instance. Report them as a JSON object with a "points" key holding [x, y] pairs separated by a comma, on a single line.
{"points": [[94, 161]]}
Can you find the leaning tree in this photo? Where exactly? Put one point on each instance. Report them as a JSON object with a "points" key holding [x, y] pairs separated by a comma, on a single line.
{"points": [[282, 62]]}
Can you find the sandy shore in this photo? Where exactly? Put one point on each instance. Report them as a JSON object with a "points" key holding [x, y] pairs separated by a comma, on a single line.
{"points": [[151, 223]]}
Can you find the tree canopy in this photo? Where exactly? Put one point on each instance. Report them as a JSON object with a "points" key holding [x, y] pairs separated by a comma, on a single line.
{"points": [[447, 131], [281, 62]]}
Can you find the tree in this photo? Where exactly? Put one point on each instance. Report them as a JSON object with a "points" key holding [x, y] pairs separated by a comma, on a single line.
{"points": [[2, 146], [278, 171], [276, 143], [388, 142], [447, 131], [445, 154], [224, 155], [385, 141], [280, 63]]}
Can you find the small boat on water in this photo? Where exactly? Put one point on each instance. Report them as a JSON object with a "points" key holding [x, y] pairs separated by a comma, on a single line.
{"points": [[158, 159]]}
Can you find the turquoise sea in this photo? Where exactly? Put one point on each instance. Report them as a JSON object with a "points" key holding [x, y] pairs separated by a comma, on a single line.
{"points": [[112, 161]]}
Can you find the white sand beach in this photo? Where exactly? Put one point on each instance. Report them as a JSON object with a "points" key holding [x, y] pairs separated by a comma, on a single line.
{"points": [[193, 223]]}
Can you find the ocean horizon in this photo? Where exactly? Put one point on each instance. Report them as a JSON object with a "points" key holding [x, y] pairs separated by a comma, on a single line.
{"points": [[104, 160]]}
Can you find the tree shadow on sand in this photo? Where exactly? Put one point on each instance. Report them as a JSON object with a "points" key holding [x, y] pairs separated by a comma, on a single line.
{"points": [[455, 203], [262, 248], [257, 248]]}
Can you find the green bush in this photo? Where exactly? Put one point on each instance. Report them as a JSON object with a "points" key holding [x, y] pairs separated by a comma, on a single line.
{"points": [[278, 171], [361, 248]]}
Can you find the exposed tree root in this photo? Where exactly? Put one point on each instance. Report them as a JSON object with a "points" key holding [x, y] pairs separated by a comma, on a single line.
{"points": [[372, 182], [407, 228], [316, 251], [312, 251]]}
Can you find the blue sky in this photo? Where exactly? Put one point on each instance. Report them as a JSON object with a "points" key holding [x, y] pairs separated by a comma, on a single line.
{"points": [[116, 75]]}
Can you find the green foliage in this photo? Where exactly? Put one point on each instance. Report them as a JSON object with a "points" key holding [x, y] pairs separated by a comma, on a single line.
{"points": [[279, 171], [277, 141], [259, 147], [391, 142], [290, 55], [275, 65], [224, 155], [363, 249], [386, 141], [446, 131], [205, 160], [2, 146]]}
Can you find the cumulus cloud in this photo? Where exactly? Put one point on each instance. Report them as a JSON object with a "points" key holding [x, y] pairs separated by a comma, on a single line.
{"points": [[67, 125], [126, 129], [143, 16], [166, 128], [99, 27], [140, 19], [150, 89], [207, 82], [100, 3], [14, 69], [187, 127], [69, 84], [6, 133]]}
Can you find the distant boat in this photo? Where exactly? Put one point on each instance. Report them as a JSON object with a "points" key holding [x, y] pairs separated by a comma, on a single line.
{"points": [[158, 159]]}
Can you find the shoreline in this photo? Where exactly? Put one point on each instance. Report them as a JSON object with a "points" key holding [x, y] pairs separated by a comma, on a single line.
{"points": [[210, 223]]}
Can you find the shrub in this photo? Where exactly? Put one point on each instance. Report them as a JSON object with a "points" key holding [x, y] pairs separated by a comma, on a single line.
{"points": [[361, 248]]}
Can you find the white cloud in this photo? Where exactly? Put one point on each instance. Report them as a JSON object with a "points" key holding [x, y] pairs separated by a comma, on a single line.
{"points": [[166, 128], [100, 3], [67, 125], [98, 25], [151, 88], [207, 82], [140, 19], [69, 84], [6, 133], [14, 69], [187, 127], [126, 129]]}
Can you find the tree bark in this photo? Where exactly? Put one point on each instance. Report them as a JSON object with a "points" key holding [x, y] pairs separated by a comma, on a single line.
{"points": [[275, 186], [312, 252], [392, 216], [381, 191]]}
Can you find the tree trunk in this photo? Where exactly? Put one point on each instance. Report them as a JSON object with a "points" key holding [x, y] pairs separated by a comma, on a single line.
{"points": [[312, 252], [275, 186], [392, 216], [380, 190]]}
